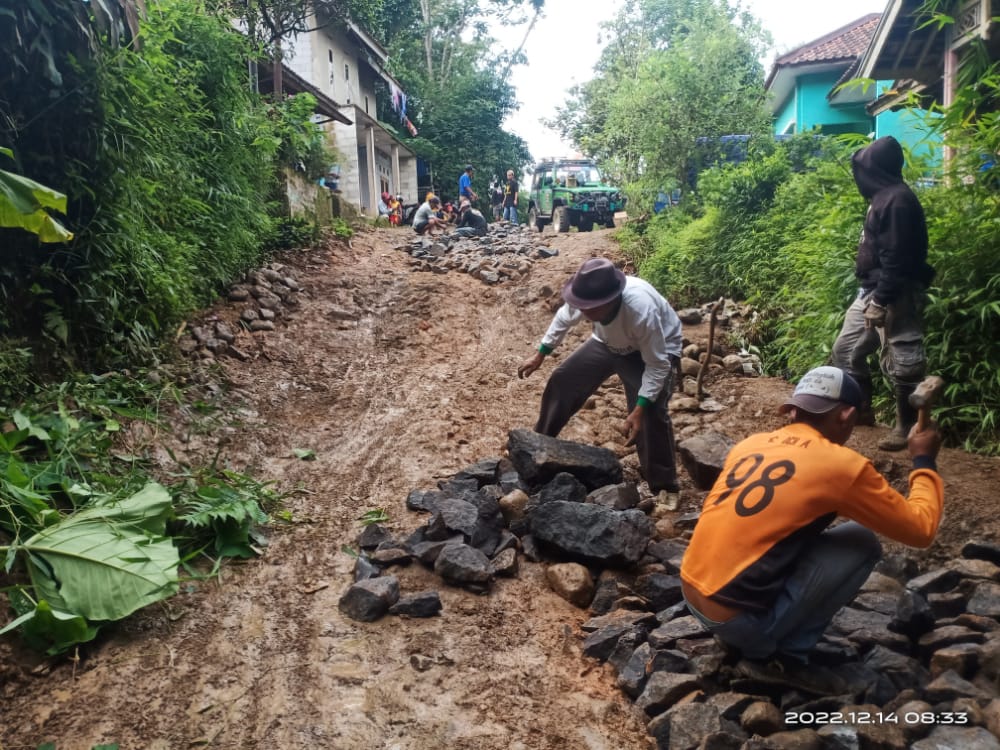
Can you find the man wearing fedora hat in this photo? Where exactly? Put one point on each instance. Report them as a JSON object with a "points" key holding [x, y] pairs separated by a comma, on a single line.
{"points": [[764, 570], [637, 336]]}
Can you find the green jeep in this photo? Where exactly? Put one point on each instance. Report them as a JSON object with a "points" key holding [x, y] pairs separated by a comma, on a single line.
{"points": [[570, 193]]}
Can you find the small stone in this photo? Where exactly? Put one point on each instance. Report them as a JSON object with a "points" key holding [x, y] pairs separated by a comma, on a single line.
{"points": [[572, 582], [762, 718]]}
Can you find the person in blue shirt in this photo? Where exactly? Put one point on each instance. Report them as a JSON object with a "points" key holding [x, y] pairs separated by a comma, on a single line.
{"points": [[465, 185]]}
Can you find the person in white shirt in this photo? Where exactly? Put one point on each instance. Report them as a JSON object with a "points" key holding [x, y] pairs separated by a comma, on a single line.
{"points": [[637, 336], [426, 220]]}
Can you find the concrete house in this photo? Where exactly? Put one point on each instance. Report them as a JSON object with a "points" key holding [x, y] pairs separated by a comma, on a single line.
{"points": [[807, 92], [344, 62]]}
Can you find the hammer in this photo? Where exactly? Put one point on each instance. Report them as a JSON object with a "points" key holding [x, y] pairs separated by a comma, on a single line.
{"points": [[924, 396]]}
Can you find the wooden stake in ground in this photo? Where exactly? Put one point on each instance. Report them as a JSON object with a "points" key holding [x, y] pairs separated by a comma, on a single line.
{"points": [[711, 345]]}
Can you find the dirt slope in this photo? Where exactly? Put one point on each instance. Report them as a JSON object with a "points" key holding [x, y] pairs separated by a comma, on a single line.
{"points": [[394, 379]]}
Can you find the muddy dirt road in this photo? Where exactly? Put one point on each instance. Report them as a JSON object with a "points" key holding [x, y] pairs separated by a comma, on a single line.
{"points": [[395, 379]]}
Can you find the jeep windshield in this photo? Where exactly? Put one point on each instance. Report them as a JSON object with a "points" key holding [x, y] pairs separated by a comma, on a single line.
{"points": [[581, 174]]}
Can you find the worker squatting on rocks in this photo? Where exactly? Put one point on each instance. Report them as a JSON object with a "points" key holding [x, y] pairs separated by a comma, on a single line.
{"points": [[765, 572], [637, 336]]}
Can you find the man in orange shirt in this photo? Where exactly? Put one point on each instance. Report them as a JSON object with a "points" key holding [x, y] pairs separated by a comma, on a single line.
{"points": [[765, 572]]}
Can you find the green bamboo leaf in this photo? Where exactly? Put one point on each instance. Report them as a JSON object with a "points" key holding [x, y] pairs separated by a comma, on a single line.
{"points": [[105, 562]]}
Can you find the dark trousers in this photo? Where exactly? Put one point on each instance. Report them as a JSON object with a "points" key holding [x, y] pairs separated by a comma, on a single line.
{"points": [[578, 378], [826, 577]]}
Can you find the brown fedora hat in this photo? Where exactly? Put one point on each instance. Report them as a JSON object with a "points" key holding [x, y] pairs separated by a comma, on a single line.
{"points": [[596, 283]]}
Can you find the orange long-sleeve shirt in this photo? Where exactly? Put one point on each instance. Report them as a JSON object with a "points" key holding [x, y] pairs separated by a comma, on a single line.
{"points": [[777, 492]]}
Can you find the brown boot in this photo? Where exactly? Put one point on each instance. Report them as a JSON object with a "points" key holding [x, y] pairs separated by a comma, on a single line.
{"points": [[906, 417]]}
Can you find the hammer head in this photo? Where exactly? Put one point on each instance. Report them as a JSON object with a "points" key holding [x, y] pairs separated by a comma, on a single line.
{"points": [[927, 392]]}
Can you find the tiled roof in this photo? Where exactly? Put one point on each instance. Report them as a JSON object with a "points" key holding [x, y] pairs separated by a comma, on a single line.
{"points": [[846, 43]]}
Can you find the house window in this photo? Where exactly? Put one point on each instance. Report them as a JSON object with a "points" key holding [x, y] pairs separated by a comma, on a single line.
{"points": [[330, 54], [366, 104], [347, 72]]}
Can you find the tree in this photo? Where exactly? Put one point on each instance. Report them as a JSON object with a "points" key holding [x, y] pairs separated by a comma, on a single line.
{"points": [[455, 79], [674, 76]]}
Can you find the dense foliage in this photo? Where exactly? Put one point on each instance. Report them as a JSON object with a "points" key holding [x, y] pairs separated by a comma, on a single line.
{"points": [[781, 232], [87, 534], [674, 76], [169, 162]]}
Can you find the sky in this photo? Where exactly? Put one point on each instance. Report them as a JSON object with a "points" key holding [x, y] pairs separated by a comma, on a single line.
{"points": [[563, 48]]}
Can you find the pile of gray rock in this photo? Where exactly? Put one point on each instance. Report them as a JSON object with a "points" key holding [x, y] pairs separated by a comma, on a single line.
{"points": [[265, 295], [506, 253], [914, 662]]}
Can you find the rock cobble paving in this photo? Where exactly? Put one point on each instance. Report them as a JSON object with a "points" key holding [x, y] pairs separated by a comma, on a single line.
{"points": [[505, 253], [914, 661]]}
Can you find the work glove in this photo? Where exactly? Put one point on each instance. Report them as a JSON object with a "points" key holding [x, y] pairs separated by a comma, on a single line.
{"points": [[875, 315]]}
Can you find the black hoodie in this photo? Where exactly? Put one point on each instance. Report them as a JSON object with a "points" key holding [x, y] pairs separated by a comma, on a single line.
{"points": [[893, 247]]}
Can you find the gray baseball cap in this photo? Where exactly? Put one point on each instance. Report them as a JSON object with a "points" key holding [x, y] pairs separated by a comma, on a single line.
{"points": [[821, 389]]}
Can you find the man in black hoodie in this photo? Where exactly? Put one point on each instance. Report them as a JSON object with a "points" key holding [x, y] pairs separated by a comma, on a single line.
{"points": [[893, 275]]}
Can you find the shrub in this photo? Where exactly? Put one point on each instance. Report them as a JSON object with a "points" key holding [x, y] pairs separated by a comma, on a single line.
{"points": [[781, 231]]}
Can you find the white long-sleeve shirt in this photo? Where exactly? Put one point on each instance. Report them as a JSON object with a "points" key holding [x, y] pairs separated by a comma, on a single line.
{"points": [[645, 323]]}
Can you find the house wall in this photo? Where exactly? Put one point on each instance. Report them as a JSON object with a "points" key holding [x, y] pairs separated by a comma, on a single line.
{"points": [[912, 128], [814, 109], [329, 59], [784, 117]]}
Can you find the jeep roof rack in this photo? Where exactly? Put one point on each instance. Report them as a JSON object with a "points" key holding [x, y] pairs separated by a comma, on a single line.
{"points": [[568, 159]]}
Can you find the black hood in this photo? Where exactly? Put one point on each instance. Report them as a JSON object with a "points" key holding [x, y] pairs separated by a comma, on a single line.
{"points": [[878, 166]]}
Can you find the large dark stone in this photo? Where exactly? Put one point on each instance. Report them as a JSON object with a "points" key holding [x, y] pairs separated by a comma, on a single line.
{"points": [[935, 581], [601, 644], [373, 535], [633, 673], [462, 564], [985, 600], [451, 515], [423, 604], [904, 671], [664, 689], [538, 458], [369, 599], [563, 486], [455, 487], [618, 616], [979, 550], [593, 533], [659, 589], [484, 472], [609, 588], [423, 500], [914, 616], [686, 726], [667, 635], [615, 496], [704, 456], [670, 552]]}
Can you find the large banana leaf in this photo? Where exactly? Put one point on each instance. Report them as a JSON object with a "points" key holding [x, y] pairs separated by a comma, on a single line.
{"points": [[23, 203], [107, 561]]}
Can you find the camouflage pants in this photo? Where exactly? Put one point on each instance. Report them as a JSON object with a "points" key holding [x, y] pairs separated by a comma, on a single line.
{"points": [[901, 359]]}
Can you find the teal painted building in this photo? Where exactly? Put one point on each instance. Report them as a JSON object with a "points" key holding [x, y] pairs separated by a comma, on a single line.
{"points": [[808, 93]]}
